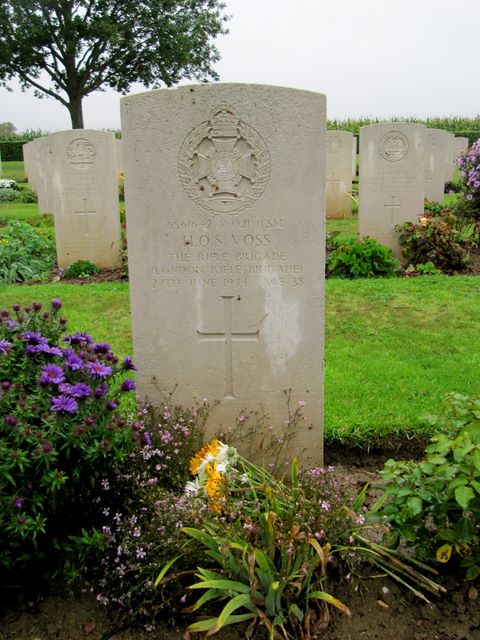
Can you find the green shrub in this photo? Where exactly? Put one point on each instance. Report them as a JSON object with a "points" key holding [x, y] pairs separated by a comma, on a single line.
{"points": [[28, 196], [353, 258], [61, 431], [436, 239], [81, 269], [434, 505], [8, 195], [25, 254]]}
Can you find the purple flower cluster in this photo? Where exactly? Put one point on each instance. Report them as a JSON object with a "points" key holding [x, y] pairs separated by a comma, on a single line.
{"points": [[469, 164], [74, 372]]}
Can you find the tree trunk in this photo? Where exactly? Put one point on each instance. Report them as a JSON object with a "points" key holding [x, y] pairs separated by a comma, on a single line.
{"points": [[76, 112]]}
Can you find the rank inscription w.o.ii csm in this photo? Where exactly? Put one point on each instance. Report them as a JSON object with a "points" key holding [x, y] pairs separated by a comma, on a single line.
{"points": [[224, 165]]}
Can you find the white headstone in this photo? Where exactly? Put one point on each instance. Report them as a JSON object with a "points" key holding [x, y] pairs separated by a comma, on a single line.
{"points": [[225, 220], [392, 179], [435, 164], [460, 146], [338, 167], [85, 197], [354, 157], [449, 153], [43, 172], [29, 162]]}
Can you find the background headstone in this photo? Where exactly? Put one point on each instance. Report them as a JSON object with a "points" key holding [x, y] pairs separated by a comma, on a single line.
{"points": [[435, 164], [460, 145], [43, 173], [338, 167], [29, 163], [85, 197], [392, 179], [354, 157], [225, 217], [449, 153]]}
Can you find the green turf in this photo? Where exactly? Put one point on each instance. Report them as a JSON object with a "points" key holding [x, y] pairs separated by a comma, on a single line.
{"points": [[13, 170], [394, 347]]}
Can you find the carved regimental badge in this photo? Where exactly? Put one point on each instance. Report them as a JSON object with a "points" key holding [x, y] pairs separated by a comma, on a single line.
{"points": [[334, 144], [224, 165], [394, 146], [81, 153]]}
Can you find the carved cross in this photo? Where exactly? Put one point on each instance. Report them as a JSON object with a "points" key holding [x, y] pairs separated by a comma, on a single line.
{"points": [[228, 337], [392, 205]]}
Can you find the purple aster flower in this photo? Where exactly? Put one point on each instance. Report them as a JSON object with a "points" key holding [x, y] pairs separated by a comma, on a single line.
{"points": [[98, 370], [51, 351], [72, 361], [52, 373], [80, 390], [102, 347], [101, 391], [11, 324], [146, 439], [111, 405], [18, 502], [79, 338], [4, 346], [64, 404], [65, 388], [34, 337], [128, 364], [56, 304], [128, 385]]}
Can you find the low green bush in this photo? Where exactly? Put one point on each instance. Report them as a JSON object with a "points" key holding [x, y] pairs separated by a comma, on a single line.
{"points": [[434, 505], [81, 269], [438, 239], [365, 258], [25, 254], [8, 195]]}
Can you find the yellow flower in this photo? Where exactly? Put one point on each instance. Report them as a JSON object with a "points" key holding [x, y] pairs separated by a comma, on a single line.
{"points": [[215, 487], [443, 553], [207, 454]]}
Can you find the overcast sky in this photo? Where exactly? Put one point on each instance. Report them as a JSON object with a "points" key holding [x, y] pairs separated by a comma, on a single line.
{"points": [[370, 57]]}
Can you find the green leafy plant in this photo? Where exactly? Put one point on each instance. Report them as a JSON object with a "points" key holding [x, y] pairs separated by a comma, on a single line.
{"points": [[8, 195], [437, 238], [264, 545], [354, 258], [81, 269], [434, 505], [25, 254], [61, 430]]}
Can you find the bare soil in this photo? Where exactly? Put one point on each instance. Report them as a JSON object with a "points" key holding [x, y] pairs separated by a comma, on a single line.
{"points": [[381, 608]]}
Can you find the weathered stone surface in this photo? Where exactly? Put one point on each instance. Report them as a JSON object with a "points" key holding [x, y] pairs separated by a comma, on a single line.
{"points": [[460, 145], [225, 217], [392, 179], [435, 164], [449, 153], [338, 164], [84, 197]]}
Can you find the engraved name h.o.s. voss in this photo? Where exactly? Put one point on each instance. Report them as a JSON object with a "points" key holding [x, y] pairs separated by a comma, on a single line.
{"points": [[224, 165]]}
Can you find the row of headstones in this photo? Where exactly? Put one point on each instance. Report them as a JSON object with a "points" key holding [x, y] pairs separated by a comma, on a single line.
{"points": [[441, 150], [75, 175], [225, 196]]}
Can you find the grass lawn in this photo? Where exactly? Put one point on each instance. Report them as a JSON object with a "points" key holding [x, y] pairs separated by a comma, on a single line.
{"points": [[394, 347], [13, 170]]}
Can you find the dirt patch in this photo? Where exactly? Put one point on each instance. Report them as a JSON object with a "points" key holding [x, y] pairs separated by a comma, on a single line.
{"points": [[381, 608]]}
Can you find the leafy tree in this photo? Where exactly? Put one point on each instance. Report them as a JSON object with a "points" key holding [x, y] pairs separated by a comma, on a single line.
{"points": [[7, 129], [67, 49]]}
